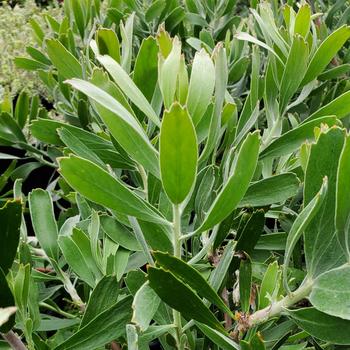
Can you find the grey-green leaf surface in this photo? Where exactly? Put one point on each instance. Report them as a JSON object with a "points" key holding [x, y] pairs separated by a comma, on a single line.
{"points": [[67, 65], [201, 86], [169, 288], [322, 249], [218, 338], [326, 51], [294, 70], [145, 305], [191, 277], [293, 139], [44, 223], [122, 125], [103, 296], [77, 252], [99, 186], [338, 107], [236, 186], [178, 153], [274, 189], [300, 224], [128, 87], [330, 293], [322, 326], [342, 212], [107, 326]]}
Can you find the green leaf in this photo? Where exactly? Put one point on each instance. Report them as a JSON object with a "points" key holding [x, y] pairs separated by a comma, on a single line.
{"points": [[300, 224], [245, 283], [103, 297], [77, 252], [329, 292], [22, 109], [223, 341], [67, 65], [293, 139], [294, 70], [268, 285], [201, 86], [107, 326], [145, 305], [326, 51], [99, 186], [108, 43], [339, 107], [237, 184], [119, 233], [322, 249], [191, 277], [10, 218], [169, 71], [322, 326], [146, 67], [169, 288], [274, 189], [44, 223], [178, 153], [122, 125], [303, 20], [342, 212], [128, 87], [6, 300]]}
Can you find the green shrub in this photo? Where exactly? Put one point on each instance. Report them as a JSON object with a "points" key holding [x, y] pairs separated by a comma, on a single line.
{"points": [[199, 185]]}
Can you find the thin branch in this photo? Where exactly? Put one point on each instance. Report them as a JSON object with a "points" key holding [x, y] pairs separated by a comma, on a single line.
{"points": [[14, 341]]}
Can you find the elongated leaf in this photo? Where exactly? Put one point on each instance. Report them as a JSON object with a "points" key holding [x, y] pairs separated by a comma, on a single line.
{"points": [[119, 233], [322, 249], [104, 296], [169, 288], [191, 277], [10, 218], [326, 51], [245, 283], [67, 65], [44, 223], [47, 131], [107, 326], [303, 20], [77, 252], [237, 184], [217, 338], [342, 213], [122, 125], [339, 107], [329, 293], [274, 189], [99, 186], [129, 88], [108, 43], [294, 70], [293, 139], [169, 71], [201, 86], [268, 285], [145, 305], [146, 67], [300, 224], [178, 153], [322, 326], [6, 300]]}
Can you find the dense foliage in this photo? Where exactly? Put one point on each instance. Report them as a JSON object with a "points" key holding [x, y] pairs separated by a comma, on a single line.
{"points": [[194, 179]]}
